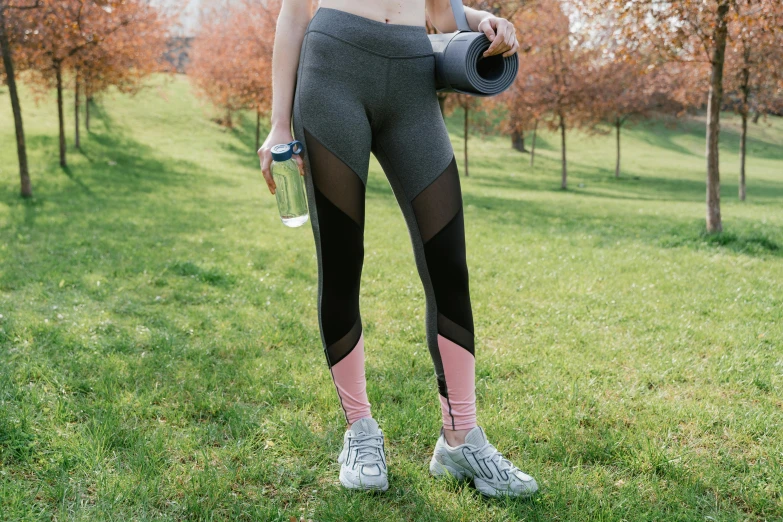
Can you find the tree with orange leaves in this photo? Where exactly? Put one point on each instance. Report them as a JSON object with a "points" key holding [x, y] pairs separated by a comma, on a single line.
{"points": [[631, 91], [558, 80], [14, 20], [754, 69], [63, 29], [231, 57], [122, 59], [688, 31]]}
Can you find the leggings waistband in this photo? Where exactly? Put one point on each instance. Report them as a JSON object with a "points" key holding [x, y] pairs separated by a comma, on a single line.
{"points": [[389, 40]]}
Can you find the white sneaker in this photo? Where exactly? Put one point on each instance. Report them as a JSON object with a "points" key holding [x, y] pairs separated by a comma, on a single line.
{"points": [[363, 458], [492, 474]]}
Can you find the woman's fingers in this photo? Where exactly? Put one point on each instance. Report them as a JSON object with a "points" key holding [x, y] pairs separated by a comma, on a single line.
{"points": [[488, 30], [300, 163], [266, 159], [514, 49], [504, 38]]}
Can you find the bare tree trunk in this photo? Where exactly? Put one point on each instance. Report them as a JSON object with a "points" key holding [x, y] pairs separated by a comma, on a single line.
{"points": [[466, 140], [745, 89], [21, 148], [87, 103], [713, 120], [76, 110], [617, 124], [563, 183], [743, 140], [258, 128], [533, 145], [756, 116], [518, 141], [59, 75]]}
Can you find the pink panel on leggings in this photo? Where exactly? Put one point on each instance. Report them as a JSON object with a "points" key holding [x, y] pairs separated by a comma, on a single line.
{"points": [[348, 375], [459, 367]]}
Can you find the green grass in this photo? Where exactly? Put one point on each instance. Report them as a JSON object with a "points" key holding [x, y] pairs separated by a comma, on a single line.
{"points": [[160, 357]]}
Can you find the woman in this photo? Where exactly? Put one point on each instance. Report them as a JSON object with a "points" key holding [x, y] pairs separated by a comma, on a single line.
{"points": [[364, 83]]}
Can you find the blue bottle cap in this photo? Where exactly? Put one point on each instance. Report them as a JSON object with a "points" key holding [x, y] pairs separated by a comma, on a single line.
{"points": [[283, 151]]}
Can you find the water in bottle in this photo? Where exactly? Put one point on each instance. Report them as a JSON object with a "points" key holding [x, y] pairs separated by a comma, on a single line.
{"points": [[290, 191]]}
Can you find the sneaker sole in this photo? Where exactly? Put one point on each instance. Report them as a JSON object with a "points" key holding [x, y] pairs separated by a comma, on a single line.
{"points": [[490, 491], [363, 487]]}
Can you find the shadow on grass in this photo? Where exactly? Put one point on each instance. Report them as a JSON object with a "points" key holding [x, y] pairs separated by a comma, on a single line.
{"points": [[660, 134], [639, 188], [119, 200], [68, 172], [244, 130], [748, 243], [657, 230]]}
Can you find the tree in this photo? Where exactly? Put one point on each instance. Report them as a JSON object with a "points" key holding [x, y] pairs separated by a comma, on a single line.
{"points": [[12, 24], [754, 80], [688, 31], [231, 57], [63, 29], [557, 82], [520, 115], [631, 90], [122, 59], [624, 96]]}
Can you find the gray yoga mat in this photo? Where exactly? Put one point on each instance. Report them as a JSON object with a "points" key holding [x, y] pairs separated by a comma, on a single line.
{"points": [[459, 66]]}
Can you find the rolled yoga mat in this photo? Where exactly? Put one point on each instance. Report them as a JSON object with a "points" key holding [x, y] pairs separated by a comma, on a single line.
{"points": [[459, 66]]}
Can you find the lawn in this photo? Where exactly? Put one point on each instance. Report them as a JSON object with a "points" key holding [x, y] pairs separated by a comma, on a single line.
{"points": [[160, 355]]}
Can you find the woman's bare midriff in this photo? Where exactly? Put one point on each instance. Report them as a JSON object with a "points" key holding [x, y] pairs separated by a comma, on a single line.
{"points": [[405, 12]]}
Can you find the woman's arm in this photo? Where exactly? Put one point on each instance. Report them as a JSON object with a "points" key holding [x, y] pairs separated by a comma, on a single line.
{"points": [[500, 31], [289, 33]]}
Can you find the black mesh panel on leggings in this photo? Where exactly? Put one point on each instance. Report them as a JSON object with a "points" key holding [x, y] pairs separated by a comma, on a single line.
{"points": [[438, 210], [339, 198]]}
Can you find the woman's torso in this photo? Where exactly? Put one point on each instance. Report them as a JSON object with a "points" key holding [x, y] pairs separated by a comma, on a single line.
{"points": [[405, 12]]}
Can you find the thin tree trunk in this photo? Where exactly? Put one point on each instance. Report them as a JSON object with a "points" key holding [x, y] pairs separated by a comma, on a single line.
{"points": [[743, 140], [87, 103], [745, 89], [518, 141], [59, 75], [713, 120], [16, 108], [533, 145], [756, 116], [258, 128], [617, 124], [465, 132], [76, 110], [563, 183]]}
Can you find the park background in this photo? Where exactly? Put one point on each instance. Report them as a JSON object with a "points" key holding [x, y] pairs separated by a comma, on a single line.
{"points": [[159, 351]]}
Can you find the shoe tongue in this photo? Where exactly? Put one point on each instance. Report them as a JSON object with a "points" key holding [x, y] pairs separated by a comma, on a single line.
{"points": [[366, 426], [476, 437]]}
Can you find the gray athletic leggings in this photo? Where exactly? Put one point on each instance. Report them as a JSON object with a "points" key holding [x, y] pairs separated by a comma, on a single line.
{"points": [[366, 86]]}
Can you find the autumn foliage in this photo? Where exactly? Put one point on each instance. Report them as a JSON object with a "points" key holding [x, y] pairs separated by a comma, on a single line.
{"points": [[715, 37], [231, 57], [587, 65], [92, 43]]}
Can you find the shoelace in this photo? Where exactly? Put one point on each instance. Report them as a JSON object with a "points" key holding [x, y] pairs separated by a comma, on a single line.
{"points": [[368, 448], [493, 455]]}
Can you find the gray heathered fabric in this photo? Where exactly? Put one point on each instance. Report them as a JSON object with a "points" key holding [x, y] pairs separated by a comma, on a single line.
{"points": [[365, 86]]}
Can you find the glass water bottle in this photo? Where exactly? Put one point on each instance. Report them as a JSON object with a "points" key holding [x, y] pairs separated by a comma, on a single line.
{"points": [[290, 189]]}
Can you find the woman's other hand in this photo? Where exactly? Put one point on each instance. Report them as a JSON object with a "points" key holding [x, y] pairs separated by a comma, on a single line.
{"points": [[276, 136], [501, 33]]}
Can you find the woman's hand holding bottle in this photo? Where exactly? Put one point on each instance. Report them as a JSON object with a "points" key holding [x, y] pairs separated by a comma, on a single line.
{"points": [[276, 135]]}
